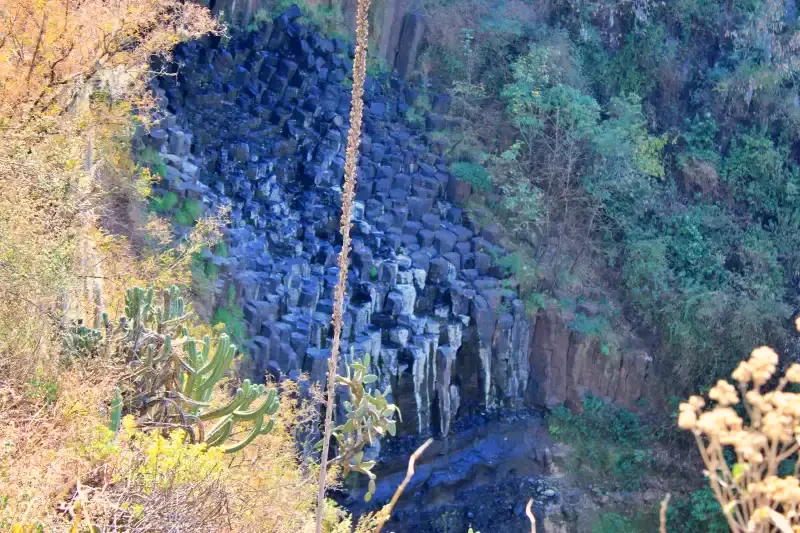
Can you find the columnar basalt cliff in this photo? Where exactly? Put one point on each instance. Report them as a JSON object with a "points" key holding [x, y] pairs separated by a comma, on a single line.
{"points": [[258, 123]]}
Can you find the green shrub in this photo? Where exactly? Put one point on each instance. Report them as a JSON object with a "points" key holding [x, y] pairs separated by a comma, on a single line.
{"points": [[414, 117], [448, 64], [260, 17], [206, 273], [221, 249], [609, 443], [633, 69], [189, 212], [613, 522], [233, 319], [760, 175], [164, 204], [328, 19], [150, 158], [211, 270], [43, 390], [700, 139], [423, 103], [231, 316], [591, 326], [700, 511], [472, 173], [376, 64]]}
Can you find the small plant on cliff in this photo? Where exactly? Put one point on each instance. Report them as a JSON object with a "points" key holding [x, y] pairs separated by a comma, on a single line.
{"points": [[415, 118], [153, 160], [472, 173], [698, 512], [189, 212], [326, 17], [746, 438], [164, 204], [230, 316]]}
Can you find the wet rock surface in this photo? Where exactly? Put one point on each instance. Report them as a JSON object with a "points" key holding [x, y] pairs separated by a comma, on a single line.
{"points": [[482, 475]]}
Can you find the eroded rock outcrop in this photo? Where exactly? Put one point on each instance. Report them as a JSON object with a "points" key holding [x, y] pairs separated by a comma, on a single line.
{"points": [[259, 124], [566, 365]]}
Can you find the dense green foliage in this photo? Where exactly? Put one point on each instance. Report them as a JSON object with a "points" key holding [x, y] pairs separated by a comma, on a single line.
{"points": [[657, 149], [613, 449], [699, 512], [612, 522], [609, 443], [652, 169]]}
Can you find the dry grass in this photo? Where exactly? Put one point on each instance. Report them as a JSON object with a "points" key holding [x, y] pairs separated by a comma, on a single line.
{"points": [[59, 466], [64, 176], [38, 465], [40, 177], [50, 49]]}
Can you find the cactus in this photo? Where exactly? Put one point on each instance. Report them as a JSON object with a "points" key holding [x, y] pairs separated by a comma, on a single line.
{"points": [[173, 311], [369, 416], [203, 372], [175, 375], [237, 411], [141, 310], [139, 307], [116, 411], [81, 341]]}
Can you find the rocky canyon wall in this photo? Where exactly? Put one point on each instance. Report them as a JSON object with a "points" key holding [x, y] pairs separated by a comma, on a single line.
{"points": [[397, 28], [259, 123]]}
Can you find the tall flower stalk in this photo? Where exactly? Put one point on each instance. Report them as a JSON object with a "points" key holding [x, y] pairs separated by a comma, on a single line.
{"points": [[353, 143]]}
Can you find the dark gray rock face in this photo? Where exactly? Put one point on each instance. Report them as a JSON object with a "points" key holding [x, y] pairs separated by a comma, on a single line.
{"points": [[398, 30], [477, 477], [410, 41], [260, 125]]}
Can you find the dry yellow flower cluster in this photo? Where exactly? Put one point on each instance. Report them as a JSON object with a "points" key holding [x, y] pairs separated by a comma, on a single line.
{"points": [[762, 428]]}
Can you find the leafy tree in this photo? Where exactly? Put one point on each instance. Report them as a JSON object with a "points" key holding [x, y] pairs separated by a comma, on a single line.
{"points": [[760, 176]]}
